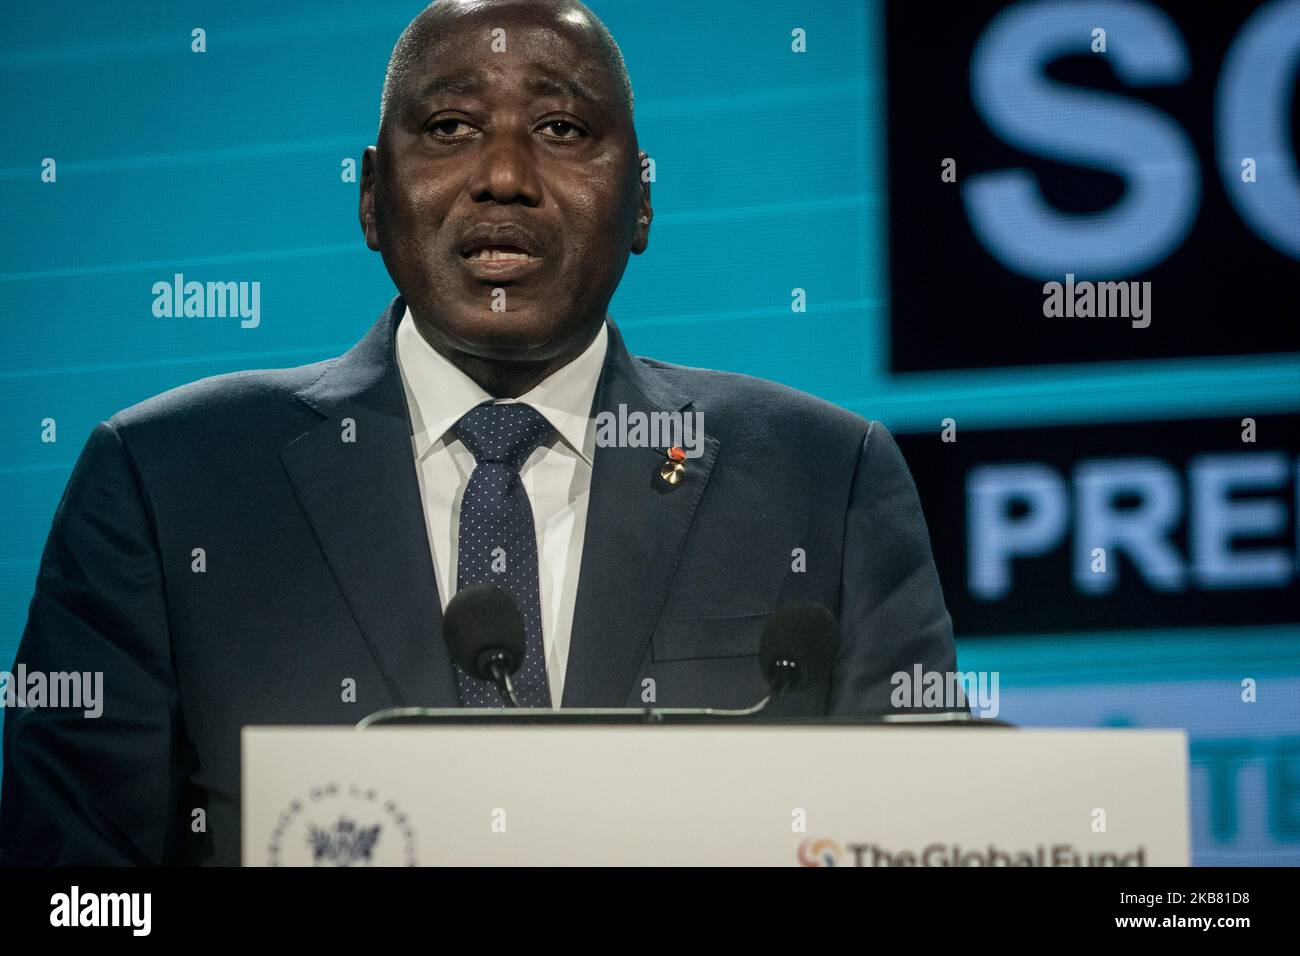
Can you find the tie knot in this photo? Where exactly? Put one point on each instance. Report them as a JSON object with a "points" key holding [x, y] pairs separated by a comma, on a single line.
{"points": [[503, 433]]}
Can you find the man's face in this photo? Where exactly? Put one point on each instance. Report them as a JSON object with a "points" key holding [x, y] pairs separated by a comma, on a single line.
{"points": [[507, 179]]}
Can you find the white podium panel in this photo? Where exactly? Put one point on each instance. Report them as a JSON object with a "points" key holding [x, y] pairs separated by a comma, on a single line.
{"points": [[713, 795]]}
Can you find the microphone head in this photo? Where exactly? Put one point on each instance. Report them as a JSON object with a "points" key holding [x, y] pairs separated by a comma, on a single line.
{"points": [[803, 634], [481, 623]]}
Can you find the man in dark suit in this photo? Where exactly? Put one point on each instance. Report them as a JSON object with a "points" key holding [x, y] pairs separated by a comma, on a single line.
{"points": [[277, 547]]}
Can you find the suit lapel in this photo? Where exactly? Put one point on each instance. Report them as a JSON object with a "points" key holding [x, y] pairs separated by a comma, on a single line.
{"points": [[636, 528], [362, 499]]}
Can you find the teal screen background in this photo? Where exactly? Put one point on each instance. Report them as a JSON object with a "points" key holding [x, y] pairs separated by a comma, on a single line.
{"points": [[226, 166]]}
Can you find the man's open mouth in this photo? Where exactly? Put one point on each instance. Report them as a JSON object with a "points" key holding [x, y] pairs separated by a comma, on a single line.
{"points": [[500, 251], [497, 253], [497, 263]]}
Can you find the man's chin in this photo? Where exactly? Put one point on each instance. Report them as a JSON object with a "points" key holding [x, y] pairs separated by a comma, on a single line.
{"points": [[505, 337]]}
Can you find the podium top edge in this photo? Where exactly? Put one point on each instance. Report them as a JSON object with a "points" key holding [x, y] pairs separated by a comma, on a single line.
{"points": [[631, 717]]}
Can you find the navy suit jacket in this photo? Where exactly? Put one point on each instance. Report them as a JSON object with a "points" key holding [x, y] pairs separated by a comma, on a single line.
{"points": [[318, 570]]}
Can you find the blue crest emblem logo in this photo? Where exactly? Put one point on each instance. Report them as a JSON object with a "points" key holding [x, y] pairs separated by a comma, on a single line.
{"points": [[342, 824], [345, 844]]}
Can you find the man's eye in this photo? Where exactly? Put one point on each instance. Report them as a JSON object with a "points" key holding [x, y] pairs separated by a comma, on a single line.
{"points": [[562, 129], [449, 128]]}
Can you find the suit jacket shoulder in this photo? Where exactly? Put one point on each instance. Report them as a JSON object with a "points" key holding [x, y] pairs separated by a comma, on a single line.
{"points": [[765, 414]]}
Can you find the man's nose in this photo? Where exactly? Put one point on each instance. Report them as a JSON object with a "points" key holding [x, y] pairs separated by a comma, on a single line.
{"points": [[506, 171]]}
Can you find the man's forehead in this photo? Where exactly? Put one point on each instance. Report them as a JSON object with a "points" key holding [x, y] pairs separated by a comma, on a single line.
{"points": [[449, 64], [535, 78], [476, 46]]}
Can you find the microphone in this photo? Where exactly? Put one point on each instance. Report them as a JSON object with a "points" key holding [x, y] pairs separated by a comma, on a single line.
{"points": [[797, 648], [485, 635]]}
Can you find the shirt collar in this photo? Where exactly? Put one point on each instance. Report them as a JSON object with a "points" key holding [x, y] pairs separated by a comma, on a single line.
{"points": [[438, 394]]}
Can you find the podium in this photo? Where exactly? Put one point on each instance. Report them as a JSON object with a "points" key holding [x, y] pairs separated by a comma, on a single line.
{"points": [[701, 792]]}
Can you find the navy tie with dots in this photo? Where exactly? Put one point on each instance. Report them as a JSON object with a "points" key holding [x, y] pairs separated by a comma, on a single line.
{"points": [[498, 541]]}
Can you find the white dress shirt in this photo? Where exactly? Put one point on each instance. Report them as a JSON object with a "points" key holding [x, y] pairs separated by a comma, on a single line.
{"points": [[556, 476]]}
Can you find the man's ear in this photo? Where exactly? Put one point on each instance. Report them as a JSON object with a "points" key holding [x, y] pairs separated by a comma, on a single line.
{"points": [[645, 212], [366, 213]]}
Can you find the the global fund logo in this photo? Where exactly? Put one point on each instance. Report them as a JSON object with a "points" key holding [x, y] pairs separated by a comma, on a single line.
{"points": [[822, 852]]}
